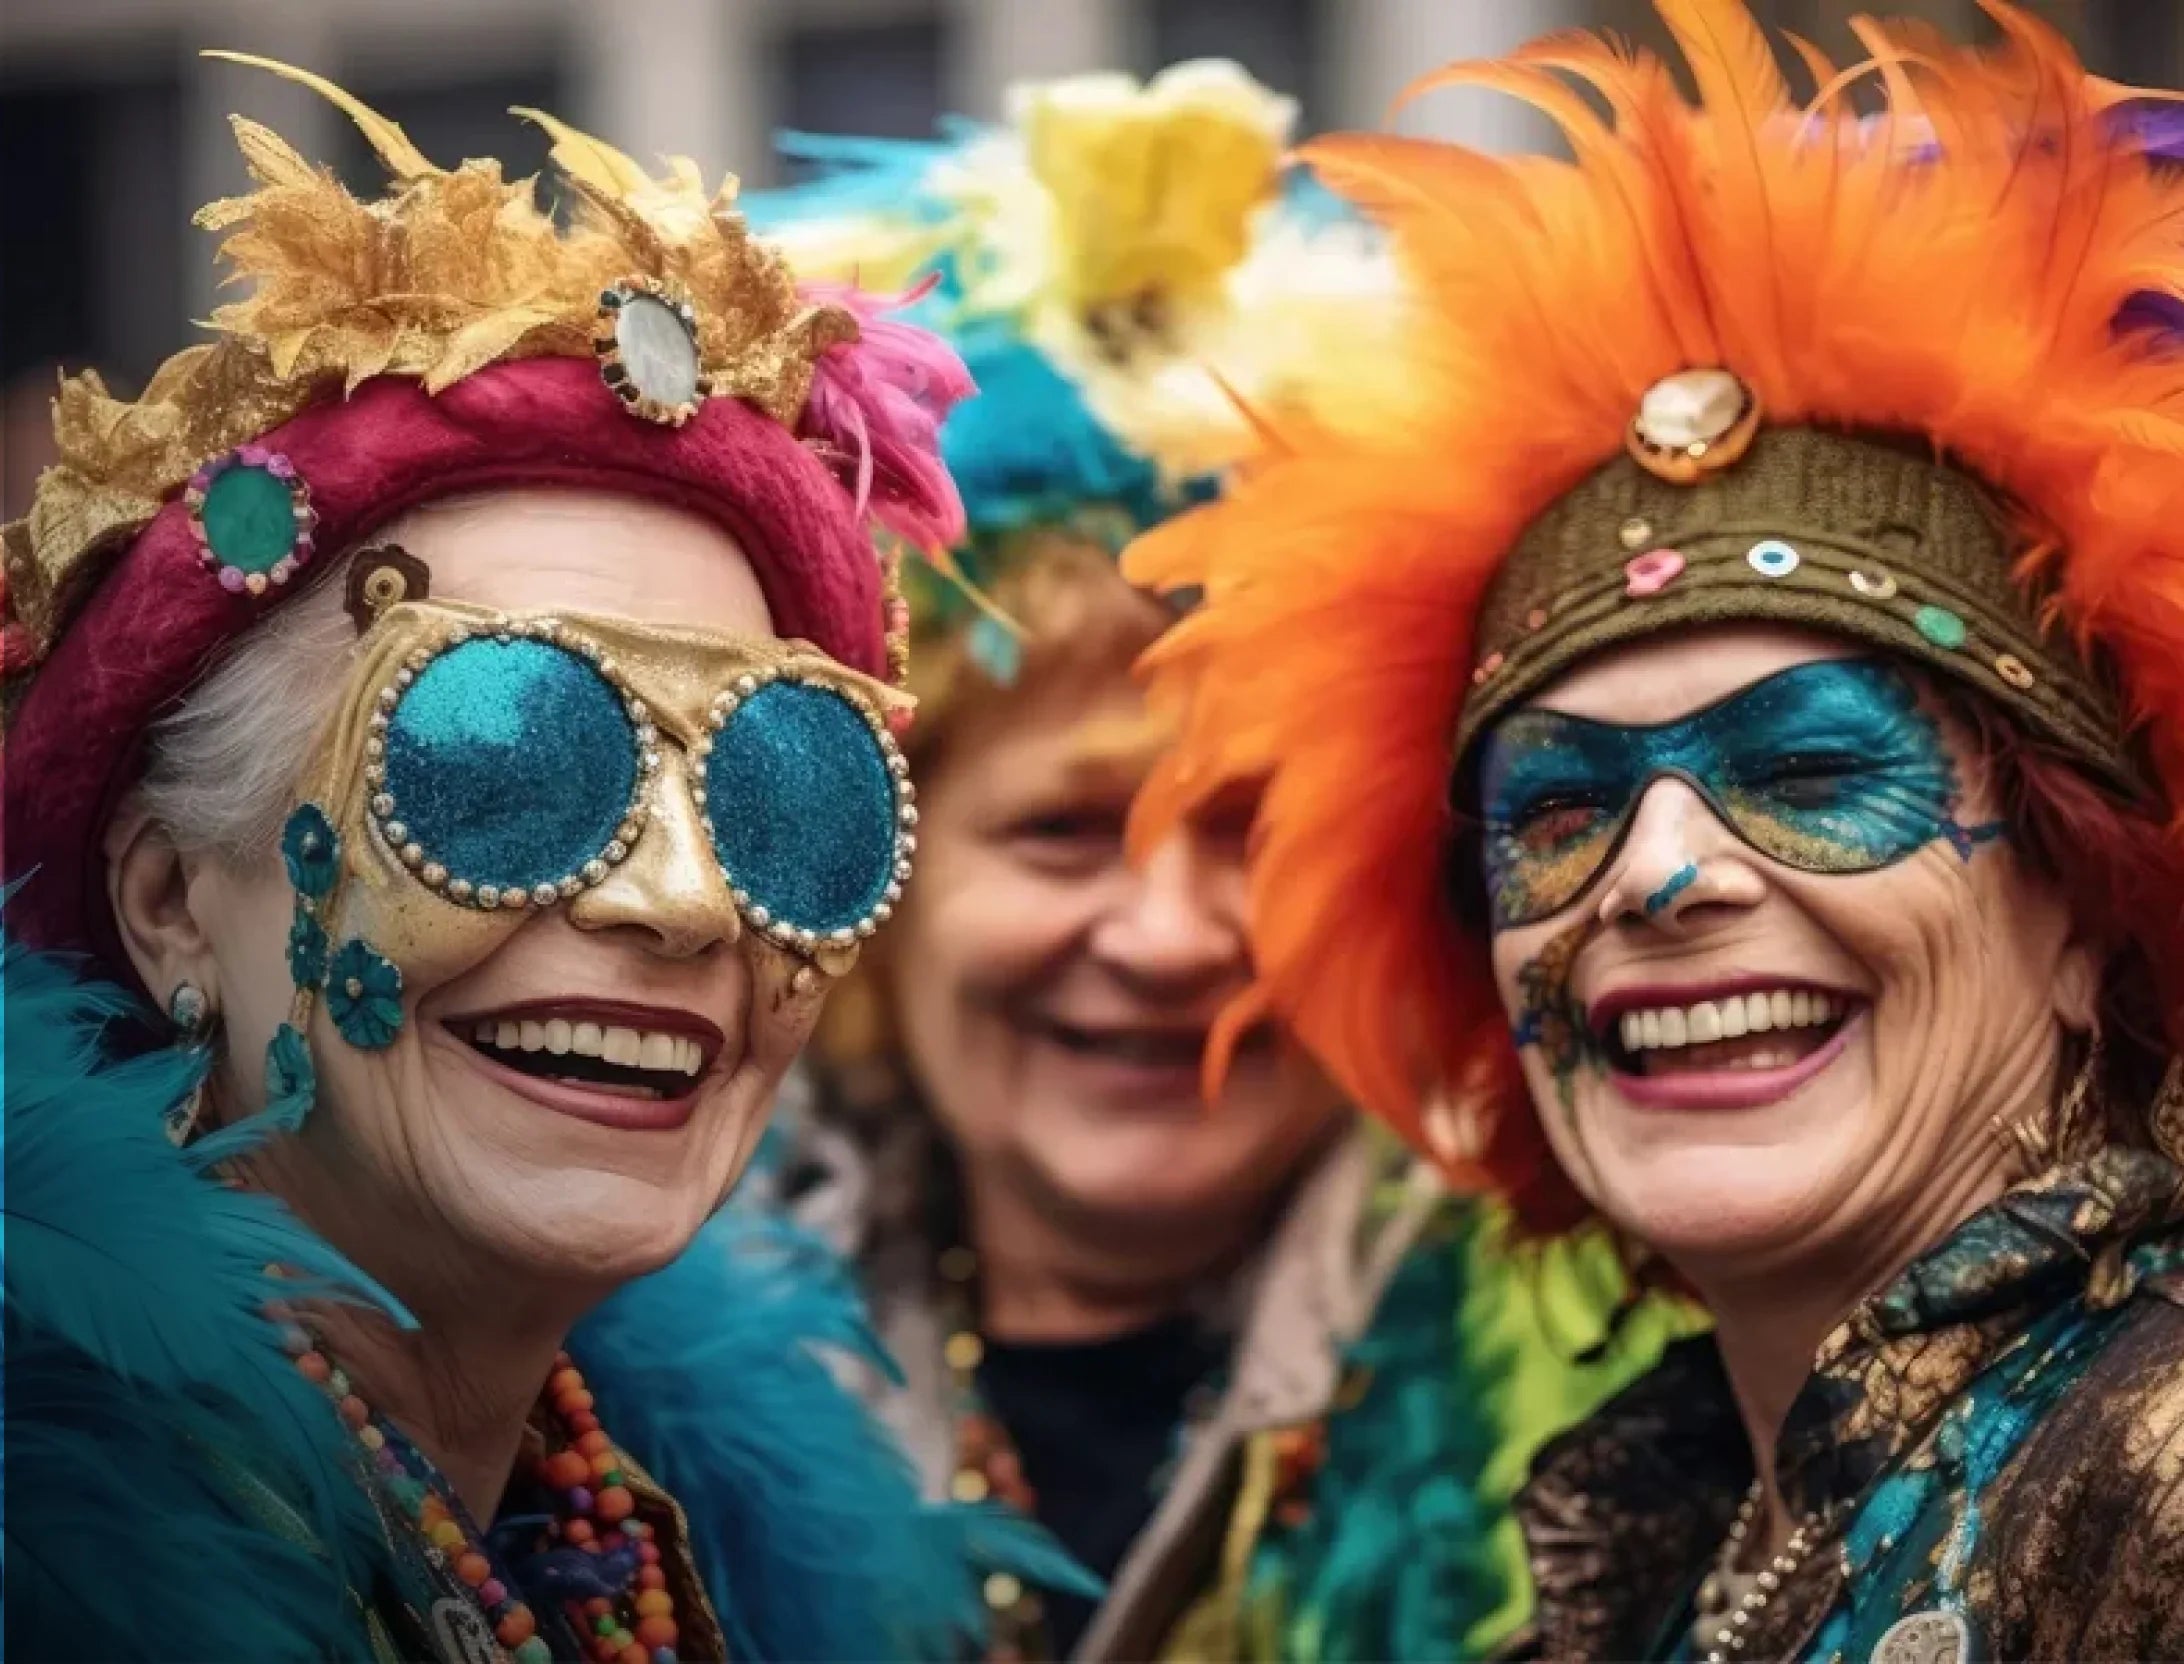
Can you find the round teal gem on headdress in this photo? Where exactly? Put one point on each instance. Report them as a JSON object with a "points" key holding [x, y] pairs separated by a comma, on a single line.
{"points": [[801, 800], [251, 514], [249, 519]]}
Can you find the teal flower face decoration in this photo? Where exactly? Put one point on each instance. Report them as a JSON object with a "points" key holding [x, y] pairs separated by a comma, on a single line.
{"points": [[312, 849], [290, 1081], [364, 996], [306, 948]]}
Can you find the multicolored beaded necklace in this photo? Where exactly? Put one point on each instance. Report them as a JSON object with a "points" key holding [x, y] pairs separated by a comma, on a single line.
{"points": [[988, 1466], [597, 1519], [986, 1463]]}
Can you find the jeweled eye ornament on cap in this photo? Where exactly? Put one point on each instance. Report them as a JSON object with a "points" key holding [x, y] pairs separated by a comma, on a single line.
{"points": [[1692, 424]]}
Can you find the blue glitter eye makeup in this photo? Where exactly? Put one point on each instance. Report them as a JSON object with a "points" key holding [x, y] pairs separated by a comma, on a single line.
{"points": [[510, 768], [809, 806], [1830, 767]]}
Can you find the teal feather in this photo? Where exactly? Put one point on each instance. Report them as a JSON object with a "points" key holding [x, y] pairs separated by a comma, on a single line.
{"points": [[1396, 1558], [846, 174], [140, 1361], [1410, 1548], [1027, 451], [804, 1515], [167, 1273]]}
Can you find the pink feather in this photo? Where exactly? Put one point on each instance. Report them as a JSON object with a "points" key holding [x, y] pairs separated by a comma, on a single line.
{"points": [[881, 400]]}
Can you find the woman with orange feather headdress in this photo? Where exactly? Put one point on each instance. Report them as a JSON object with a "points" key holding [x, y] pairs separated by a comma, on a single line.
{"points": [[1730, 720]]}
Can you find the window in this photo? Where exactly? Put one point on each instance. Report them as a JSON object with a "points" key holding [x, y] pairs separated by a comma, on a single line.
{"points": [[879, 80], [1277, 40], [97, 228], [451, 121]]}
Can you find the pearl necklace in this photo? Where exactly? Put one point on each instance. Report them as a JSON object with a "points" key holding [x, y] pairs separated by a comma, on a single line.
{"points": [[1729, 1600]]}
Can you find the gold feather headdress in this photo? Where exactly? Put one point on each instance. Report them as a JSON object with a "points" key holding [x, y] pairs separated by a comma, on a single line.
{"points": [[453, 270]]}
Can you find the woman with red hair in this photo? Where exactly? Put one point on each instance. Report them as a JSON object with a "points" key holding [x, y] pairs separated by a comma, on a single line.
{"points": [[1728, 724], [462, 695]]}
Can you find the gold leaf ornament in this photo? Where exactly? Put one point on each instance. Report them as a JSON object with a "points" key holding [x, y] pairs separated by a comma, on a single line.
{"points": [[452, 270]]}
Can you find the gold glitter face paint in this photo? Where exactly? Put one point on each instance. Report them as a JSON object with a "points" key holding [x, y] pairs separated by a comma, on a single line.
{"points": [[1549, 1016]]}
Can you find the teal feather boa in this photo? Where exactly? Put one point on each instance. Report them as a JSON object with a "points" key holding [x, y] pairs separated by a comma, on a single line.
{"points": [[1410, 1548], [178, 1491], [1396, 1557], [139, 1357], [805, 1516]]}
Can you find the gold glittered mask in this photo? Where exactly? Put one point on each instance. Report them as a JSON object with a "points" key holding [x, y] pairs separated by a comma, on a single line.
{"points": [[486, 766]]}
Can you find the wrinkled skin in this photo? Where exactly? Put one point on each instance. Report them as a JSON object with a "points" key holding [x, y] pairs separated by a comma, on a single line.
{"points": [[422, 1157], [1961, 969]]}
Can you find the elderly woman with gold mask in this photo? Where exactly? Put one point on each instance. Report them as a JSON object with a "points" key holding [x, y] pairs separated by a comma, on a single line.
{"points": [[1729, 714], [461, 697]]}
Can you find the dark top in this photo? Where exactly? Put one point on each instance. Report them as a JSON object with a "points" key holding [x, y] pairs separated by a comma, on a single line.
{"points": [[1096, 1425]]}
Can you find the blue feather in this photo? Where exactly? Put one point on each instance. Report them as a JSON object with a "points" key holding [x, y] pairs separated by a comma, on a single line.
{"points": [[154, 1425], [804, 1515], [849, 176], [1028, 451]]}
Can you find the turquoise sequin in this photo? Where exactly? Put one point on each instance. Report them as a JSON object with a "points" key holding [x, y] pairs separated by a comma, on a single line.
{"points": [[802, 807], [511, 762]]}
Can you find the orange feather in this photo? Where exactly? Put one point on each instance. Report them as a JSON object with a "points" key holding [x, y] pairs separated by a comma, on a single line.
{"points": [[1853, 278]]}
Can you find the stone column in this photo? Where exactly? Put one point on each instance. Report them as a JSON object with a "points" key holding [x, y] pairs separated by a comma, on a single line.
{"points": [[1380, 46], [1006, 41], [676, 78]]}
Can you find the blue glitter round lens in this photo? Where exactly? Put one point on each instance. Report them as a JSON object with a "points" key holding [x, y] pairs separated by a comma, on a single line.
{"points": [[802, 807], [510, 763]]}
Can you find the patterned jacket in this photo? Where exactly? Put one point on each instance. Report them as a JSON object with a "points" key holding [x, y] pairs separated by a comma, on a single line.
{"points": [[1995, 1442]]}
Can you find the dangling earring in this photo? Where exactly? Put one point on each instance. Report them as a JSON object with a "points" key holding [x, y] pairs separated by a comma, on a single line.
{"points": [[190, 1010], [2042, 1140]]}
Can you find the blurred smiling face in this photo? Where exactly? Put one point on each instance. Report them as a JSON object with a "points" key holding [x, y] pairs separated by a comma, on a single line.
{"points": [[1054, 1001], [572, 1089], [1773, 964]]}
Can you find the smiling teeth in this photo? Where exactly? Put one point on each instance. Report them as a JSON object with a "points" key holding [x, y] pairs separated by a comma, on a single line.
{"points": [[1670, 1027], [629, 1047]]}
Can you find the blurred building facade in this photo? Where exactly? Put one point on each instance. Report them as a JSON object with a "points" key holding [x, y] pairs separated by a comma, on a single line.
{"points": [[112, 128]]}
